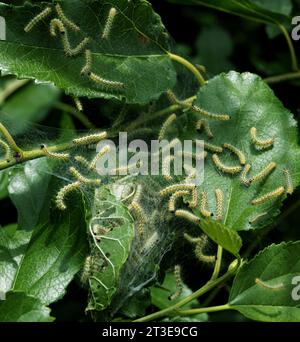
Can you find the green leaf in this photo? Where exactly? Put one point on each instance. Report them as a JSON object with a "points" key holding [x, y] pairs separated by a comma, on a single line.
{"points": [[223, 236], [271, 301], [3, 184], [250, 103], [110, 250], [19, 307], [135, 52]]}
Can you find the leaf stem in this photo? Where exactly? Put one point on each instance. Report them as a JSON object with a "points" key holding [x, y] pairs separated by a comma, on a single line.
{"points": [[204, 310], [10, 140], [218, 263], [189, 66], [291, 47], [174, 308], [282, 77]]}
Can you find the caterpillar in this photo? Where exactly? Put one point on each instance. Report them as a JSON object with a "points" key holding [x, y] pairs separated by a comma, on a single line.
{"points": [[86, 271], [65, 20], [264, 173], [172, 97], [217, 117], [219, 204], [126, 169], [109, 23], [260, 144], [176, 187], [174, 197], [165, 168], [63, 192], [39, 17], [187, 215], [106, 83], [99, 155], [224, 168], [206, 127], [178, 281], [165, 126], [203, 210], [6, 148], [244, 180], [83, 161], [257, 217], [201, 243], [261, 283], [237, 152], [59, 156], [83, 180], [194, 202], [212, 148], [54, 24], [90, 139], [289, 181], [150, 242], [139, 213], [269, 196], [86, 70]]}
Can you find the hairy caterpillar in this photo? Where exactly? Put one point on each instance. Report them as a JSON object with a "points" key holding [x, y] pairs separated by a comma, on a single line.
{"points": [[201, 243], [126, 169], [213, 148], [90, 139], [106, 83], [194, 202], [83, 161], [54, 24], [83, 180], [260, 144], [237, 152], [257, 217], [269, 196], [261, 283], [172, 97], [165, 126], [224, 168], [59, 156], [150, 242], [63, 192], [289, 181], [78, 104], [165, 165], [187, 215], [6, 148], [109, 23], [217, 117], [99, 155], [179, 285], [176, 187], [86, 70], [264, 173], [86, 271], [205, 125], [203, 210], [139, 213], [65, 20], [244, 180], [174, 197], [39, 17], [138, 193], [219, 204]]}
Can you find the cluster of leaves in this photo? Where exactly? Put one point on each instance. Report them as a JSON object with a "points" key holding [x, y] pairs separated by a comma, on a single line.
{"points": [[42, 254]]}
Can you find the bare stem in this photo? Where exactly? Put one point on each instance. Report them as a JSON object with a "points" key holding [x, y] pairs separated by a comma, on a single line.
{"points": [[218, 263], [282, 78]]}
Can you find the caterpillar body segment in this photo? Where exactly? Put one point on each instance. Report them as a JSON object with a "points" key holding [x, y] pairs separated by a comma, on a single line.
{"points": [[174, 197], [289, 181], [39, 17], [139, 214], [179, 284], [258, 143], [219, 204], [205, 125], [194, 201], [217, 117], [59, 156], [165, 168], [60, 197], [203, 206], [83, 161], [225, 168], [65, 20], [78, 104], [83, 180], [264, 173], [176, 187], [86, 271], [166, 125], [244, 180], [71, 52], [237, 152], [200, 244], [212, 148], [106, 84], [269, 196], [86, 70], [187, 215], [57, 24], [99, 155], [90, 139]]}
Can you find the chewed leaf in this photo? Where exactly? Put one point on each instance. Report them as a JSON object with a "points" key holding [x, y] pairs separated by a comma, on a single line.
{"points": [[122, 60]]}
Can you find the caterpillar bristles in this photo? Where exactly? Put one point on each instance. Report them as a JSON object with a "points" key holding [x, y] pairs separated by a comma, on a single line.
{"points": [[260, 144], [174, 197], [212, 148], [86, 271], [269, 196], [194, 202], [78, 104], [187, 215], [109, 23], [63, 192], [219, 204], [203, 210], [86, 70], [201, 243], [99, 155], [165, 126], [106, 83], [244, 180], [225, 168], [83, 161], [126, 169], [6, 148], [237, 152], [205, 125], [178, 281], [65, 20], [54, 24], [71, 52], [176, 187], [59, 156], [257, 217], [83, 180], [217, 117], [90, 139], [263, 284], [172, 97], [139, 213], [39, 17], [289, 182], [264, 173], [166, 163]]}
